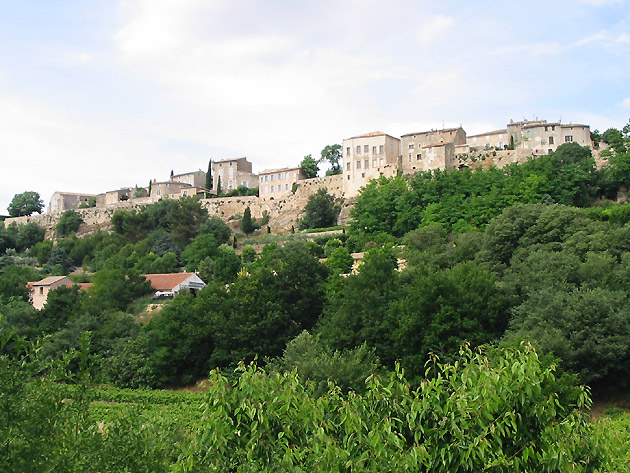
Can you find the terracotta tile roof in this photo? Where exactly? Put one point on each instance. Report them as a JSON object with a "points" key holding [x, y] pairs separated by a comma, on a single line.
{"points": [[166, 282], [84, 286], [431, 131], [504, 130], [368, 135], [46, 281], [271, 171]]}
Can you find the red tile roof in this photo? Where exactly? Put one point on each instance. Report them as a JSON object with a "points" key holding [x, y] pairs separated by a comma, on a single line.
{"points": [[166, 282]]}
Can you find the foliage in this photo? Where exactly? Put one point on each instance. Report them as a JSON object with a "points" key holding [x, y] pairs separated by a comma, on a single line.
{"points": [[217, 228], [319, 364], [25, 203], [247, 224], [209, 176], [69, 222], [320, 211], [309, 166], [475, 415], [13, 281], [332, 155]]}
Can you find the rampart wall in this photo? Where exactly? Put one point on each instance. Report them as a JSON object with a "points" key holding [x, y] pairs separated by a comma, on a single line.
{"points": [[283, 213]]}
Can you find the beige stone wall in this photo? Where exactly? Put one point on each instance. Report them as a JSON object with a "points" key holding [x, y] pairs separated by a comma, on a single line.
{"points": [[368, 157], [497, 139], [486, 159]]}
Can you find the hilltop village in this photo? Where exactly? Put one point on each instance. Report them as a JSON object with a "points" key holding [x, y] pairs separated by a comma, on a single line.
{"points": [[282, 193]]}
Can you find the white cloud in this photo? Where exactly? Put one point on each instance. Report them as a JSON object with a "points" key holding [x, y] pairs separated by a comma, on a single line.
{"points": [[47, 150], [435, 29], [601, 3], [625, 103]]}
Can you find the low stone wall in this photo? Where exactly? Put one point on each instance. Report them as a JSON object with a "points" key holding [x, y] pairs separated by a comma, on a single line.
{"points": [[283, 213], [488, 158]]}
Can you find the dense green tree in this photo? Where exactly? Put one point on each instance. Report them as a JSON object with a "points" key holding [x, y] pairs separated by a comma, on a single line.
{"points": [[59, 262], [588, 329], [29, 235], [209, 176], [309, 166], [359, 312], [25, 203], [247, 224], [203, 246], [115, 289], [13, 281], [319, 364], [68, 223], [320, 211], [332, 155], [218, 228]]}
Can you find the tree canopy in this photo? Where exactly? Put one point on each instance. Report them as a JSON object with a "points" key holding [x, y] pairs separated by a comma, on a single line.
{"points": [[309, 166], [25, 203]]}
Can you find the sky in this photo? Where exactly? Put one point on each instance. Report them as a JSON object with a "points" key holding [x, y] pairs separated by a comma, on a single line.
{"points": [[96, 95]]}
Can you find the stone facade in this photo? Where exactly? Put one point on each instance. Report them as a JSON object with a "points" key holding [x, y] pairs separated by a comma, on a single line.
{"points": [[367, 157], [428, 150], [499, 139], [61, 201], [233, 173], [278, 183], [193, 179], [540, 137]]}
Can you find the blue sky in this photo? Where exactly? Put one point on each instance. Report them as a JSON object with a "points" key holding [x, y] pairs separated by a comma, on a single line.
{"points": [[97, 95]]}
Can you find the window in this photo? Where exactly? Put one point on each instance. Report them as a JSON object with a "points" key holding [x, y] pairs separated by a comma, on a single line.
{"points": [[279, 176], [266, 189], [411, 146], [374, 163], [409, 157], [381, 149], [568, 138], [358, 164], [41, 291], [546, 128], [272, 188], [418, 156], [286, 187], [158, 192], [271, 178], [553, 128], [500, 135], [286, 175], [359, 149], [373, 149], [348, 176], [474, 139], [348, 151], [185, 193], [366, 149], [348, 166], [366, 163], [362, 174], [551, 140]]}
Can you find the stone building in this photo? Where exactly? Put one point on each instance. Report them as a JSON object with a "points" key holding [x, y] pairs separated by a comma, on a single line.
{"points": [[278, 183], [61, 201], [367, 157], [193, 179], [492, 139], [427, 150], [542, 138], [233, 172]]}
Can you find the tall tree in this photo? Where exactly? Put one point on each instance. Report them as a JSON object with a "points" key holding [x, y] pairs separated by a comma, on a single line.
{"points": [[332, 155], [25, 204], [320, 211], [209, 175], [309, 166], [247, 225]]}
